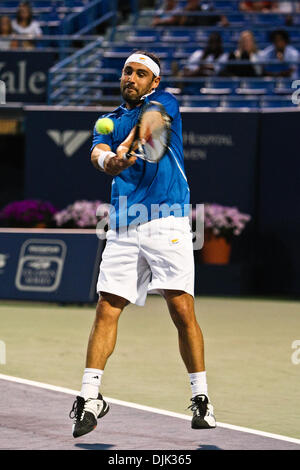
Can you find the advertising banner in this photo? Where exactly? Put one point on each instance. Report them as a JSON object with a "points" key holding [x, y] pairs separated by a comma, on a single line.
{"points": [[25, 75], [49, 266]]}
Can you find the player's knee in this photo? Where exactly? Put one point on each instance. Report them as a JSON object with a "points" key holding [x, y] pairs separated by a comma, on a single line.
{"points": [[183, 317], [113, 300]]}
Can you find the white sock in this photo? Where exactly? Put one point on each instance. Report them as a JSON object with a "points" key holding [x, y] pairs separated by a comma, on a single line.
{"points": [[91, 381], [198, 383]]}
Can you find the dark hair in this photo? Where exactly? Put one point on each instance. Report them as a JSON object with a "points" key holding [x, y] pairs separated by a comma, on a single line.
{"points": [[219, 49], [24, 4], [5, 16], [148, 54], [280, 32]]}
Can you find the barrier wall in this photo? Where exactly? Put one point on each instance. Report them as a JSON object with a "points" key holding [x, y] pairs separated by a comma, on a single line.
{"points": [[277, 244], [220, 159], [248, 160]]}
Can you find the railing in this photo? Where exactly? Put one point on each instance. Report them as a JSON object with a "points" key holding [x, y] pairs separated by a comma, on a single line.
{"points": [[89, 16], [95, 86], [62, 44], [59, 73]]}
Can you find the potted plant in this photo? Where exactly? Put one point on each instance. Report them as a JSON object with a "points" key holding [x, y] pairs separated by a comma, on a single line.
{"points": [[221, 224], [27, 213], [80, 214]]}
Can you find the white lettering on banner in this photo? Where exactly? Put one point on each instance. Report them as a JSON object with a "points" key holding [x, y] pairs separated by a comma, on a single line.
{"points": [[2, 92], [43, 249], [192, 138], [20, 82], [195, 154], [22, 77], [3, 261], [37, 77]]}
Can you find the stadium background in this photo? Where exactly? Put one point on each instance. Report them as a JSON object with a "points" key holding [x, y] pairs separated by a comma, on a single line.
{"points": [[241, 149]]}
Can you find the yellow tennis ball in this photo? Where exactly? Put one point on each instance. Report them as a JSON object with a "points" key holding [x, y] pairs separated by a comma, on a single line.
{"points": [[104, 126]]}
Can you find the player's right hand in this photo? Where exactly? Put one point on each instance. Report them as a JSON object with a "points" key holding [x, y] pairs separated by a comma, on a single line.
{"points": [[116, 164]]}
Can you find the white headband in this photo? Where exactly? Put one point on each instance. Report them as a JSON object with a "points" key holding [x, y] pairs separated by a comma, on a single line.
{"points": [[144, 59]]}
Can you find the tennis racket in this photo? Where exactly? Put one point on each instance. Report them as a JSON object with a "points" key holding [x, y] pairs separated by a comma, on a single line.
{"points": [[153, 133]]}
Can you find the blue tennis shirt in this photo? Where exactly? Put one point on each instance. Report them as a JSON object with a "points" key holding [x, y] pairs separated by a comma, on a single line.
{"points": [[147, 191]]}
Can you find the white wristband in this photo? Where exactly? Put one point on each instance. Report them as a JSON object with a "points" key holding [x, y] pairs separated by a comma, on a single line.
{"points": [[103, 156]]}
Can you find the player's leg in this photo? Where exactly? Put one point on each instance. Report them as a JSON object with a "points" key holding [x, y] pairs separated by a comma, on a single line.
{"points": [[190, 338], [191, 346], [103, 335], [90, 405]]}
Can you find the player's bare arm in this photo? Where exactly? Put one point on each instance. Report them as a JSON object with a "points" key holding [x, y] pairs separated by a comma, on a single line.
{"points": [[113, 164]]}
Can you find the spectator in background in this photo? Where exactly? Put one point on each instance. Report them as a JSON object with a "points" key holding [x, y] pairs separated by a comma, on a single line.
{"points": [[168, 15], [288, 8], [259, 7], [174, 15], [5, 32], [211, 55], [285, 54], [246, 50], [196, 6], [25, 25]]}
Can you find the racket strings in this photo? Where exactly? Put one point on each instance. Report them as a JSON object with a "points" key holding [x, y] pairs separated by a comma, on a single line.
{"points": [[153, 133]]}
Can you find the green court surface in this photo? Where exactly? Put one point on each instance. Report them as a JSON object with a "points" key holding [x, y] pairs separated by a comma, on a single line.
{"points": [[252, 379]]}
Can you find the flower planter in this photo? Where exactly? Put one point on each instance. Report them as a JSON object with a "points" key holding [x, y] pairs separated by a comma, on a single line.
{"points": [[216, 250], [40, 225]]}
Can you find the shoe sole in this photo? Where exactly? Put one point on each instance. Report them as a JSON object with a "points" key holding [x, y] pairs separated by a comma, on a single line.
{"points": [[203, 427]]}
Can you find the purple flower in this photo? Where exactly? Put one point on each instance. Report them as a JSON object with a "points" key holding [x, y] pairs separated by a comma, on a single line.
{"points": [[81, 214], [222, 220], [27, 213]]}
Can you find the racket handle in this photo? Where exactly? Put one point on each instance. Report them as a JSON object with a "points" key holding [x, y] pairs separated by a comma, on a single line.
{"points": [[127, 155]]}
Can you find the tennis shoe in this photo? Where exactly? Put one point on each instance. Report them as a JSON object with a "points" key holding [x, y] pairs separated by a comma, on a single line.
{"points": [[203, 413], [85, 414]]}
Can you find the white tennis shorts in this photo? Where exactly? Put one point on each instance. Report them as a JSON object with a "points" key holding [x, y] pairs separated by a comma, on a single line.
{"points": [[148, 258]]}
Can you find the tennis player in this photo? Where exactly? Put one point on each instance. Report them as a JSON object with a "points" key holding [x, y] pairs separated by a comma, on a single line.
{"points": [[154, 255]]}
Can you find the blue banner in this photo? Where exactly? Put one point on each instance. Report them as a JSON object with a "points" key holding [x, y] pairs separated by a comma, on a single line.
{"points": [[57, 161], [48, 266], [235, 159], [277, 252], [220, 159], [25, 75]]}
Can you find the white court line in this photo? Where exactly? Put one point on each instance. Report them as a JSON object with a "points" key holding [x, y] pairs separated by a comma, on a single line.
{"points": [[148, 408]]}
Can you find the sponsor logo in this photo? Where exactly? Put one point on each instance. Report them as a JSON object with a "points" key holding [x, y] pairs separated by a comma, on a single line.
{"points": [[40, 265], [69, 140], [20, 81]]}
